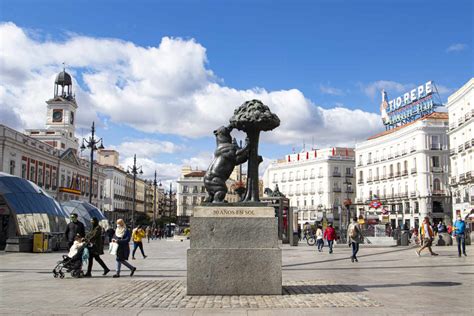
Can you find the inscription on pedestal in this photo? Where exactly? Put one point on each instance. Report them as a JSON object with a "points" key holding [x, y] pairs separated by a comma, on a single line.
{"points": [[233, 211]]}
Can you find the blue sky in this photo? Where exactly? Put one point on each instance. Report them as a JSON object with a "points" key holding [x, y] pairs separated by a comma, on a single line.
{"points": [[335, 54]]}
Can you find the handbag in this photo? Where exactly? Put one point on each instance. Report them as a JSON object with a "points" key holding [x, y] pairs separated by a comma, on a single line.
{"points": [[113, 246]]}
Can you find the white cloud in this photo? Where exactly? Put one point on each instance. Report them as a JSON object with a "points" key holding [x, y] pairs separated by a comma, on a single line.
{"points": [[165, 88], [330, 90], [374, 89], [200, 162], [146, 148], [457, 47]]}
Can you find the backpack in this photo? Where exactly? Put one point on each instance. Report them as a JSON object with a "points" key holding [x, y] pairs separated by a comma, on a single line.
{"points": [[352, 231]]}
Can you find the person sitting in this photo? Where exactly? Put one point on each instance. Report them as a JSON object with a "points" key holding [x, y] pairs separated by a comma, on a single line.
{"points": [[76, 245]]}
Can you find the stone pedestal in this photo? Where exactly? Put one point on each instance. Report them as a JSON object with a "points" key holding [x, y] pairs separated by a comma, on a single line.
{"points": [[234, 251]]}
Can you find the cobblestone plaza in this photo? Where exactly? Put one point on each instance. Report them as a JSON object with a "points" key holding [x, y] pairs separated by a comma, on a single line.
{"points": [[384, 281]]}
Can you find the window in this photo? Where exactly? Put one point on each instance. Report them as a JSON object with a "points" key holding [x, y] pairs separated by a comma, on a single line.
{"points": [[305, 174], [435, 161], [32, 173], [291, 175], [312, 173], [436, 185], [283, 176], [275, 177], [12, 167], [23, 170], [435, 142], [348, 171], [40, 177], [185, 189]]}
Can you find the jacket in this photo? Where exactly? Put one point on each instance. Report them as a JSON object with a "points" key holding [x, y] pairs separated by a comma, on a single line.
{"points": [[358, 238], [430, 231], [74, 228], [123, 250], [137, 235], [95, 238], [330, 233], [459, 227]]}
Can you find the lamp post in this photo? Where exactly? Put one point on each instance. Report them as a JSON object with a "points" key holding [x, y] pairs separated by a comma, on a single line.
{"points": [[92, 145], [154, 201], [134, 170]]}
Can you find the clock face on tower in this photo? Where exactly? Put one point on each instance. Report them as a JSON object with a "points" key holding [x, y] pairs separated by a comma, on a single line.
{"points": [[71, 118], [57, 115]]}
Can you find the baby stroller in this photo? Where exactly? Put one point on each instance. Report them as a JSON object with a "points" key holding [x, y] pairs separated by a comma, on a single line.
{"points": [[73, 265]]}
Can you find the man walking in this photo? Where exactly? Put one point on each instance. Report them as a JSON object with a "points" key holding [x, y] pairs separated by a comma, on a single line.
{"points": [[94, 237], [427, 235], [74, 228], [330, 236], [354, 238], [459, 229]]}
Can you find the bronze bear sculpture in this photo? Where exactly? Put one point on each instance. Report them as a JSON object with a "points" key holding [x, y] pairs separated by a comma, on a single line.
{"points": [[226, 156]]}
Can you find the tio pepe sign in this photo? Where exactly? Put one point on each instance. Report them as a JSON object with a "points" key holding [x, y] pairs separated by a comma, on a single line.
{"points": [[411, 105]]}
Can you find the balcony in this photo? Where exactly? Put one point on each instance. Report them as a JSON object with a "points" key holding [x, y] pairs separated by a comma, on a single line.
{"points": [[412, 149], [437, 169], [383, 158], [468, 175], [376, 160], [383, 177], [404, 194], [404, 152], [350, 191], [320, 191], [312, 176], [397, 154], [413, 194], [467, 144], [452, 181], [360, 181], [460, 121], [390, 156], [452, 151], [376, 178], [439, 192], [290, 179], [336, 174], [460, 148], [458, 200], [398, 174], [359, 164], [338, 190], [462, 177], [283, 180], [369, 161], [320, 176], [465, 199], [436, 147], [452, 126], [349, 175], [305, 192], [390, 175], [369, 180]]}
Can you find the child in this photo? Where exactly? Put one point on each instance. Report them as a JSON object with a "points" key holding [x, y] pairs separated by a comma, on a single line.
{"points": [[78, 243]]}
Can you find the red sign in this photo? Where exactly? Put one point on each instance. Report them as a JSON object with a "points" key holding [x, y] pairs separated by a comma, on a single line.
{"points": [[375, 204]]}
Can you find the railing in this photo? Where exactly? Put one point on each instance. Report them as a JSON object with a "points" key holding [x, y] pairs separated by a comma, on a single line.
{"points": [[376, 178], [312, 176], [369, 161], [360, 181], [412, 194], [390, 175], [349, 175], [460, 121], [337, 189], [458, 200], [283, 180], [320, 191], [412, 149], [436, 147], [397, 154], [404, 172], [465, 199], [320, 176], [452, 126], [462, 177], [398, 174], [359, 164], [390, 156], [404, 152], [383, 158], [460, 148], [336, 174], [436, 169], [452, 151], [439, 192], [350, 191], [467, 144], [452, 180], [369, 179]]}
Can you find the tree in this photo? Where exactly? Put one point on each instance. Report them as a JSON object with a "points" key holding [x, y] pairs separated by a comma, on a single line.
{"points": [[252, 117]]}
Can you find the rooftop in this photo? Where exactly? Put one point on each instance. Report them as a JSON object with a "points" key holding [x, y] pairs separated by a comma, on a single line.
{"points": [[432, 116], [195, 174]]}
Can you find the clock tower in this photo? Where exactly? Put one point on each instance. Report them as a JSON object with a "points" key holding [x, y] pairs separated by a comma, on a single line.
{"points": [[60, 116]]}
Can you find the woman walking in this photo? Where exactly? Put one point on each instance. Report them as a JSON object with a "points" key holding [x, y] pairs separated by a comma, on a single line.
{"points": [[122, 238], [137, 236], [319, 238], [94, 237]]}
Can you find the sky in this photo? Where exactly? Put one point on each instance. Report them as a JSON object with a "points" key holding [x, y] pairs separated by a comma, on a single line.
{"points": [[158, 77]]}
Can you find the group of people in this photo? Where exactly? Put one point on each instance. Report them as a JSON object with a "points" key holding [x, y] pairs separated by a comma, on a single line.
{"points": [[427, 233], [94, 239], [354, 238]]}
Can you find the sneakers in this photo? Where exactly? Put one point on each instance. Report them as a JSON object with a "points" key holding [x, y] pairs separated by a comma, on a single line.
{"points": [[352, 259], [417, 253], [465, 254], [144, 257], [434, 254], [133, 258], [356, 259], [87, 275], [133, 271], [116, 276], [106, 271]]}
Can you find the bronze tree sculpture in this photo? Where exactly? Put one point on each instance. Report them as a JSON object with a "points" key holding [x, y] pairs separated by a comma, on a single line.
{"points": [[252, 117]]}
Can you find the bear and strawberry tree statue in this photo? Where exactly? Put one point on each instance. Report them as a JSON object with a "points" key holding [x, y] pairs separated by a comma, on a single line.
{"points": [[252, 117]]}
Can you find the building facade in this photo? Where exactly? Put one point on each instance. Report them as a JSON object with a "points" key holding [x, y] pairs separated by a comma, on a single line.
{"points": [[461, 139], [406, 170], [191, 191], [318, 183]]}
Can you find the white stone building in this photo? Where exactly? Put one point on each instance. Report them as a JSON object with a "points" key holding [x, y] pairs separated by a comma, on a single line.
{"points": [[317, 183], [461, 138], [191, 191], [406, 169]]}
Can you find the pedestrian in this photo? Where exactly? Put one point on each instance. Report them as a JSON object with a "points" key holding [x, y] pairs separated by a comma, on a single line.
{"points": [[299, 233], [122, 238], [427, 235], [330, 236], [319, 238], [148, 233], [137, 236], [110, 233], [74, 228], [459, 229], [354, 238], [96, 247]]}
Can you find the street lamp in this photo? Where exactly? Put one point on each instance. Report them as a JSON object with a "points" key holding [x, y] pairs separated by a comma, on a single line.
{"points": [[154, 201], [134, 170], [92, 145]]}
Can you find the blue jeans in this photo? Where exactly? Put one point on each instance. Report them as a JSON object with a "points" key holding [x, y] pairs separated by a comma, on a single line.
{"points": [[125, 263], [320, 244], [355, 249], [330, 243], [460, 238]]}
